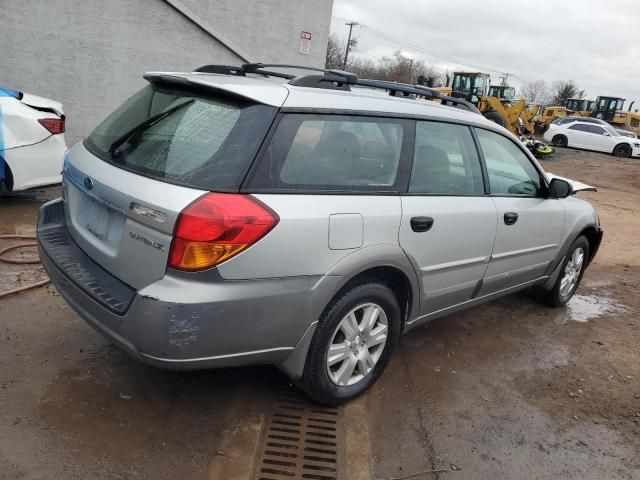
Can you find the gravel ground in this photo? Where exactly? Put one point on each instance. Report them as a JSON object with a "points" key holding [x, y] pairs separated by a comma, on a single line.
{"points": [[507, 390]]}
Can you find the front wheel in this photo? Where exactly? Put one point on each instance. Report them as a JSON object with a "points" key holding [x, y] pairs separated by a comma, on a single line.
{"points": [[352, 343], [623, 150], [571, 272]]}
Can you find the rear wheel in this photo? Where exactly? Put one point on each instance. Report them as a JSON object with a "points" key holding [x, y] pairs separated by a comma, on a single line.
{"points": [[559, 141], [352, 343], [495, 117], [571, 272], [623, 150]]}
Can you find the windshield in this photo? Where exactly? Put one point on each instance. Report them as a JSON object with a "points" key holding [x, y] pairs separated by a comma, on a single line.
{"points": [[462, 83], [503, 93], [183, 137], [576, 105], [480, 84], [612, 131]]}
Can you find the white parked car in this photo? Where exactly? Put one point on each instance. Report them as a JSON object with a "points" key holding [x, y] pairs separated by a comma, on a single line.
{"points": [[32, 144], [591, 136]]}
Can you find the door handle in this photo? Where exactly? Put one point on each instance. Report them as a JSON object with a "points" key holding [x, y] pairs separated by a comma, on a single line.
{"points": [[421, 224], [510, 218]]}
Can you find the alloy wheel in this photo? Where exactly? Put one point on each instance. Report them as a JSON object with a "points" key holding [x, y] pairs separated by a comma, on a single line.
{"points": [[572, 272], [357, 344]]}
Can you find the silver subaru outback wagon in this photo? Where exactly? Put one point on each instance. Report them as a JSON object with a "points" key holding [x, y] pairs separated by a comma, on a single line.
{"points": [[244, 215]]}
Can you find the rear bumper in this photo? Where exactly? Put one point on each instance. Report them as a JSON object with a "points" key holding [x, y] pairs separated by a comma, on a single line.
{"points": [[186, 321], [37, 165]]}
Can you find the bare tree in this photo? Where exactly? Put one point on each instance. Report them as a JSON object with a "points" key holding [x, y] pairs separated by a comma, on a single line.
{"points": [[398, 68], [537, 92], [564, 90], [335, 53]]}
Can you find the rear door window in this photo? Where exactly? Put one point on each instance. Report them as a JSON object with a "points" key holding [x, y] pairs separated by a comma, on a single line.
{"points": [[202, 141], [579, 127], [332, 152], [445, 161]]}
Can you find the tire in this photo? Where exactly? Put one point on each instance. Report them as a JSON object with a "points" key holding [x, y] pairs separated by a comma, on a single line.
{"points": [[559, 141], [556, 297], [319, 379], [495, 117], [544, 150], [623, 150]]}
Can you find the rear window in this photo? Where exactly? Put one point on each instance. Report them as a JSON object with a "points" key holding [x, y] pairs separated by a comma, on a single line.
{"points": [[183, 137], [332, 152]]}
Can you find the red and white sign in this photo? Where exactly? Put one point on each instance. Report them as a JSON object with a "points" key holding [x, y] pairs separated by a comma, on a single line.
{"points": [[305, 43]]}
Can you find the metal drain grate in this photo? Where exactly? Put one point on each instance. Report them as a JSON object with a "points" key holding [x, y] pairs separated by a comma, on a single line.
{"points": [[300, 441]]}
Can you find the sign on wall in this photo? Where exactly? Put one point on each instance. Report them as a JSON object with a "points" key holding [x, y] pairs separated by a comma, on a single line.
{"points": [[305, 43]]}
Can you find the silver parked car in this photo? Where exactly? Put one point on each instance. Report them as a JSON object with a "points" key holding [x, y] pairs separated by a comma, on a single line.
{"points": [[241, 215]]}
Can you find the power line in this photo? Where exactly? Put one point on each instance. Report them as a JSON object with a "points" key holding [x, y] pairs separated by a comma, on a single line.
{"points": [[419, 49]]}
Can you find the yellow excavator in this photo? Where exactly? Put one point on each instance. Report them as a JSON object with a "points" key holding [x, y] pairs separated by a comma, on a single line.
{"points": [[496, 102], [579, 107], [611, 109]]}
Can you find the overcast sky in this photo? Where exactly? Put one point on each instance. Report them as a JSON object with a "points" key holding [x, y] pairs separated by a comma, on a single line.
{"points": [[593, 42]]}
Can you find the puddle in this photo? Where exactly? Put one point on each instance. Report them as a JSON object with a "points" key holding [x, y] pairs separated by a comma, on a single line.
{"points": [[582, 308]]}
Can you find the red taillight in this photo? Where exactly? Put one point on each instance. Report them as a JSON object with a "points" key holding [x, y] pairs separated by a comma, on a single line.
{"points": [[53, 125], [216, 227]]}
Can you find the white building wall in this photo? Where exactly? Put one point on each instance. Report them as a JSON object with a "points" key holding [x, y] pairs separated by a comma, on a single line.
{"points": [[91, 54]]}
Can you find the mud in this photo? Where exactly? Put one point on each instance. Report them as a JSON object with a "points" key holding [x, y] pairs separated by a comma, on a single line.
{"points": [[508, 390]]}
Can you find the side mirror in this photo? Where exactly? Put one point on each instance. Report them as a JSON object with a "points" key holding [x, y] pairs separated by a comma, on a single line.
{"points": [[606, 134], [559, 188]]}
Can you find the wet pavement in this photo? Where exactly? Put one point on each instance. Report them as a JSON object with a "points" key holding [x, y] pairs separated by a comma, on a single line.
{"points": [[507, 390]]}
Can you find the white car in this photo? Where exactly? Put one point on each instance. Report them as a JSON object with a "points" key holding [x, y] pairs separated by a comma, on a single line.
{"points": [[32, 144], [591, 136]]}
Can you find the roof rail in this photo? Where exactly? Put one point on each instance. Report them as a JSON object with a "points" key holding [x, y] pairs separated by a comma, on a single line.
{"points": [[260, 68], [337, 80]]}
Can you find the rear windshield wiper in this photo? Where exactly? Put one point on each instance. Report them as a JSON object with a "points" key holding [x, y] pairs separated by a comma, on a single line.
{"points": [[141, 127]]}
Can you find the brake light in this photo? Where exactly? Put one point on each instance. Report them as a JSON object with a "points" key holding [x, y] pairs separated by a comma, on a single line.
{"points": [[216, 227], [53, 125]]}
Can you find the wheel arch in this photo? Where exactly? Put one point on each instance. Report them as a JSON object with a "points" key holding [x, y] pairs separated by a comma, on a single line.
{"points": [[560, 135], [626, 144], [8, 175], [389, 275], [387, 264], [593, 235]]}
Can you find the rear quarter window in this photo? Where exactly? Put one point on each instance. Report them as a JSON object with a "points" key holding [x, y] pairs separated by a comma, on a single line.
{"points": [[203, 141]]}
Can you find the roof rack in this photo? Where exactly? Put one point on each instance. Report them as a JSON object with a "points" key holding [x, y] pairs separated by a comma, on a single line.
{"points": [[337, 80]]}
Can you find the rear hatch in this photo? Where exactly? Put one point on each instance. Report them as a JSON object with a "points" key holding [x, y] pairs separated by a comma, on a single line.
{"points": [[126, 184]]}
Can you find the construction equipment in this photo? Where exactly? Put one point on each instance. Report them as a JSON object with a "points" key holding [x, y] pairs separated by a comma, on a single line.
{"points": [[611, 109], [496, 102], [503, 92], [580, 107]]}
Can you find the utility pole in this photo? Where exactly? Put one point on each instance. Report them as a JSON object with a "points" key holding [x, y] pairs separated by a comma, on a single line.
{"points": [[505, 77], [411, 71], [346, 52]]}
